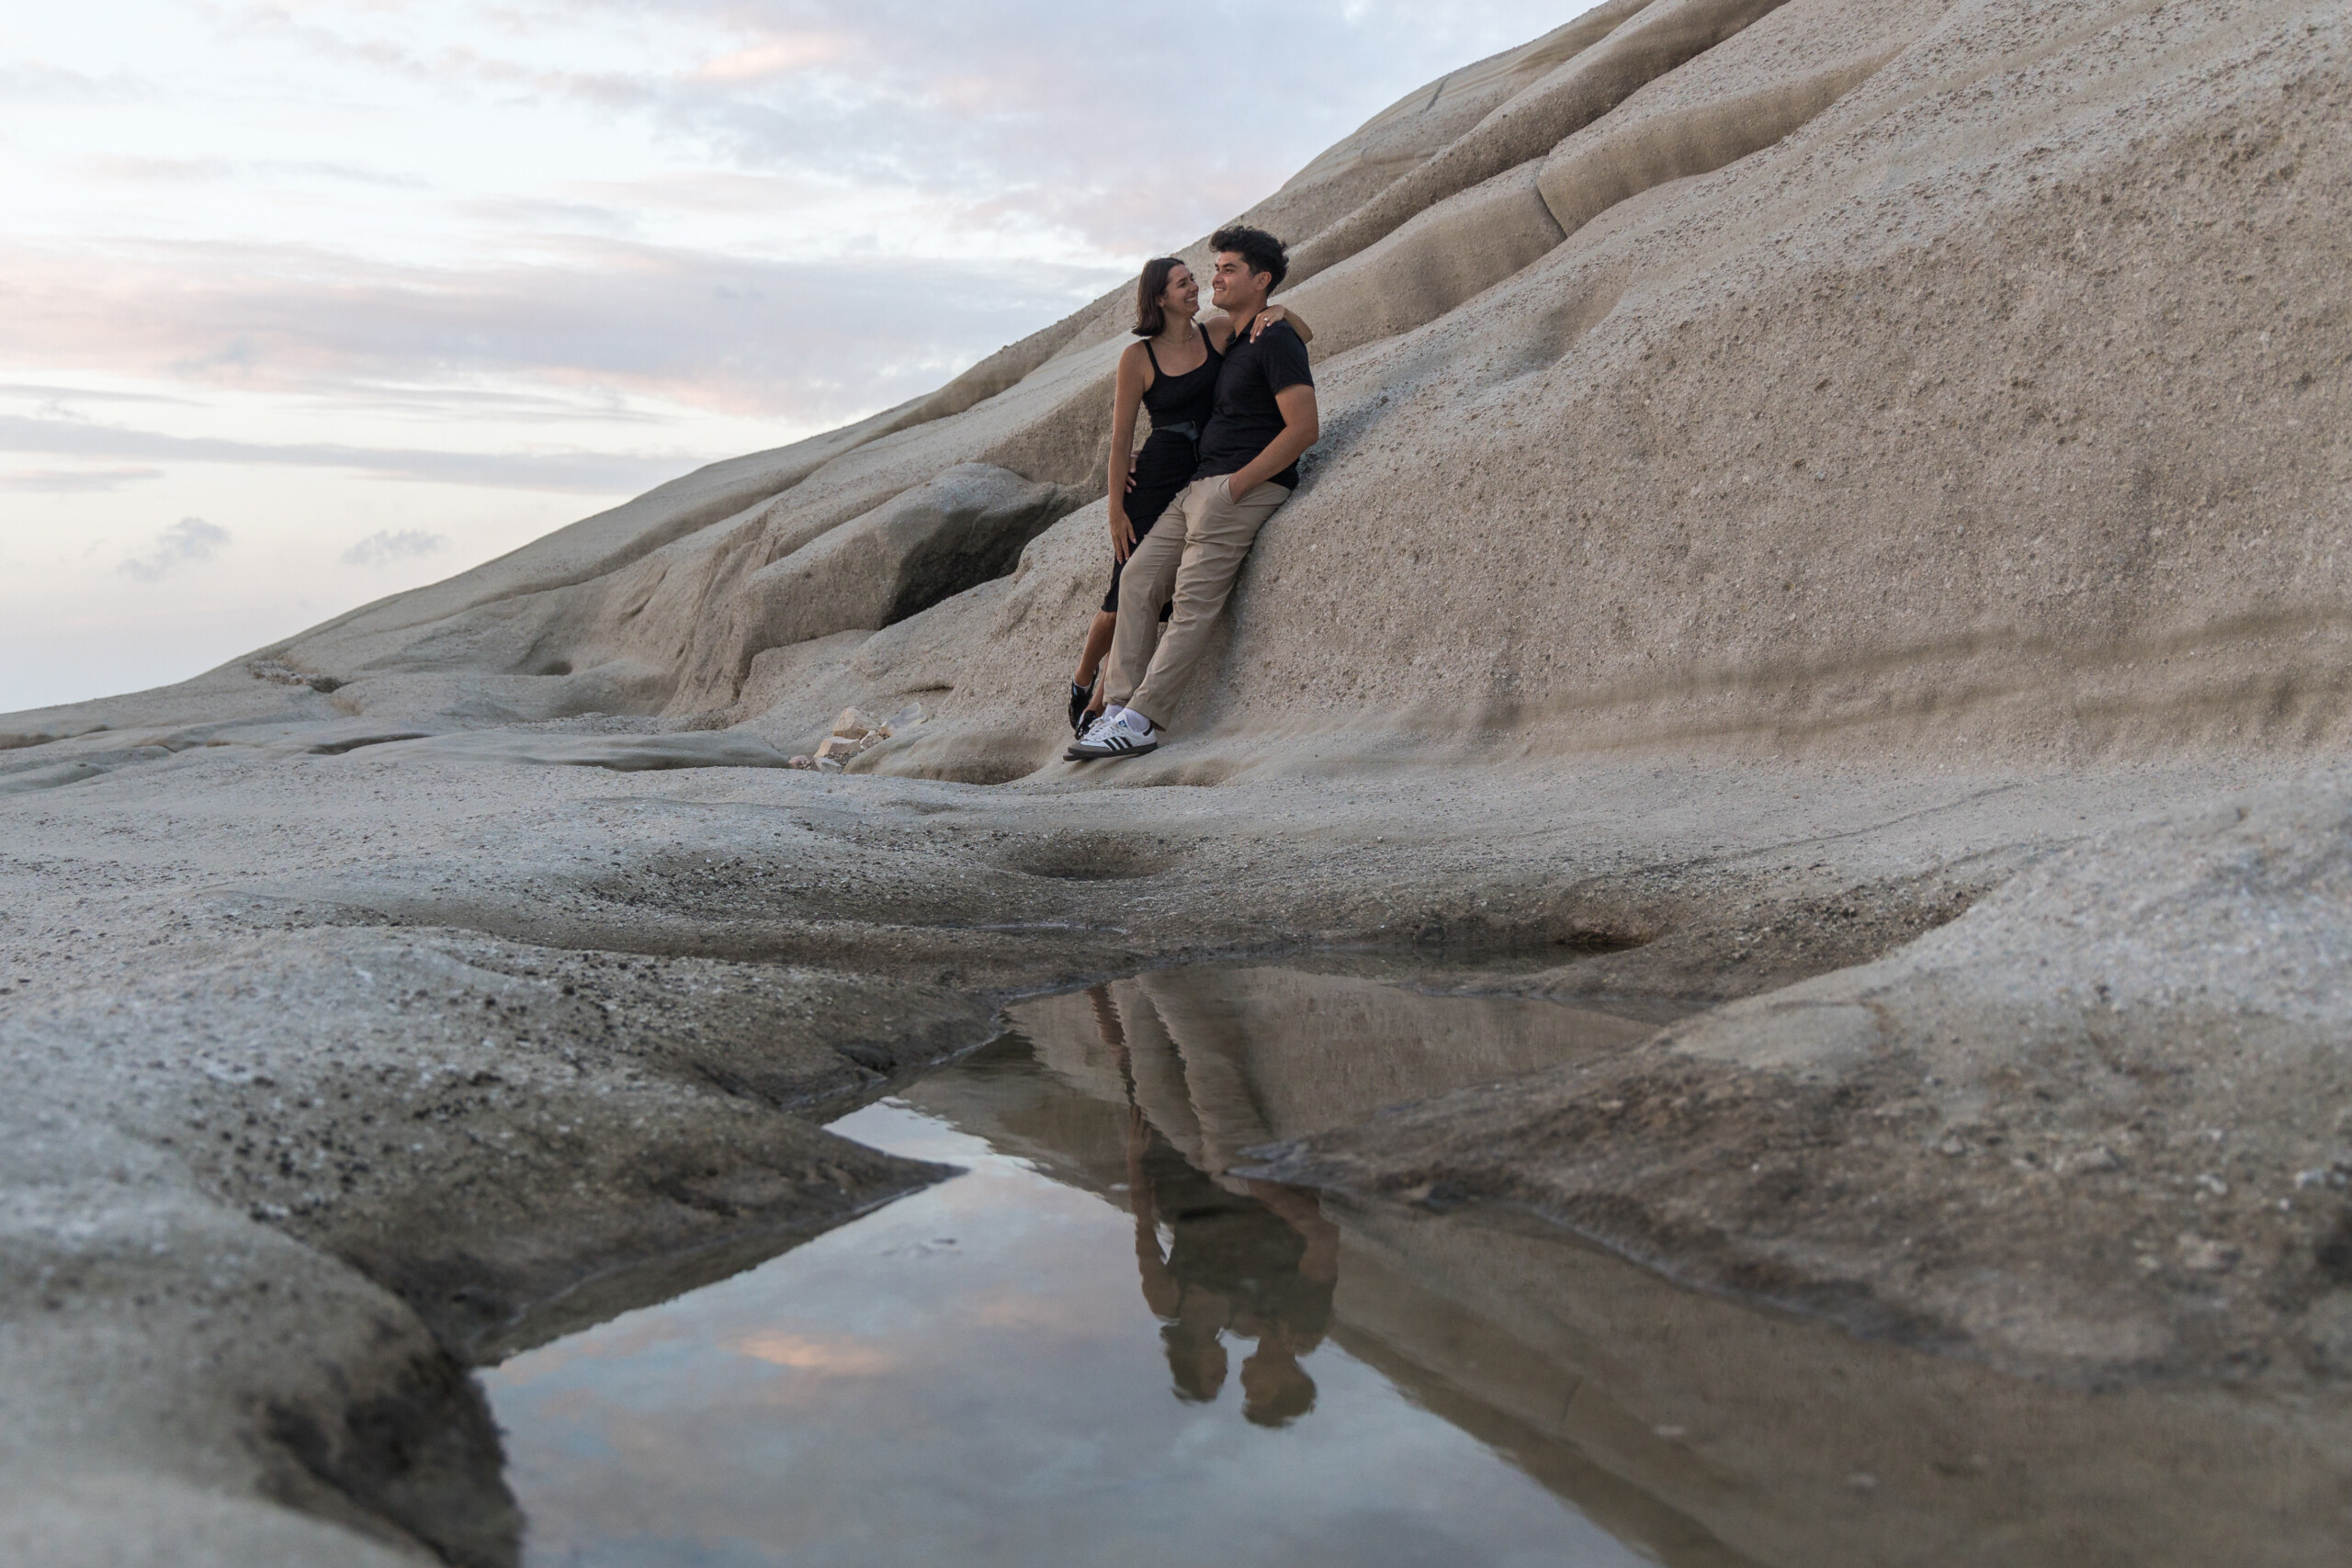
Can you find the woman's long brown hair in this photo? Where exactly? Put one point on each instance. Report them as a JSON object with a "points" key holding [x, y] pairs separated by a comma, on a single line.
{"points": [[1150, 319]]}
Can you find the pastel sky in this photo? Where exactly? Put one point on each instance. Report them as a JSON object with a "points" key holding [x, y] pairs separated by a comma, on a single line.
{"points": [[305, 303]]}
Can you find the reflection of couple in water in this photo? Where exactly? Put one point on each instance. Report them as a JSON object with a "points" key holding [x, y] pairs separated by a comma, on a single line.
{"points": [[1247, 1258], [1232, 406]]}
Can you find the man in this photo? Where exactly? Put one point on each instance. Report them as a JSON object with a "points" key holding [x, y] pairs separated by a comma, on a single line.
{"points": [[1262, 422]]}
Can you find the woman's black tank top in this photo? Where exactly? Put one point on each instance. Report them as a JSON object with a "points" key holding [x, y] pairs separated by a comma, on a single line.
{"points": [[1179, 410]]}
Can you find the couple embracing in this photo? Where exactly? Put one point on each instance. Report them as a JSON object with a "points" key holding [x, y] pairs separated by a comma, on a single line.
{"points": [[1232, 405]]}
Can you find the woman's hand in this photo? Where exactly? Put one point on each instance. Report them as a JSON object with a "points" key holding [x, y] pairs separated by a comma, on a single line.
{"points": [[1122, 536], [1272, 313]]}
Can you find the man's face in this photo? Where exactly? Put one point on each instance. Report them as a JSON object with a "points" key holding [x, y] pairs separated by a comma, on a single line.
{"points": [[1233, 283]]}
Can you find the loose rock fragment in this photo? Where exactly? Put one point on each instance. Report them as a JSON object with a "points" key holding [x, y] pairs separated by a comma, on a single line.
{"points": [[2090, 1161]]}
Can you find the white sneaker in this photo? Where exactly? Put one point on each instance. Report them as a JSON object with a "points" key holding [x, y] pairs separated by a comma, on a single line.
{"points": [[1121, 732]]}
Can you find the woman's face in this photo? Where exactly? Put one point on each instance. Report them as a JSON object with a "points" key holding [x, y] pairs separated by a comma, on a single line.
{"points": [[1181, 298]]}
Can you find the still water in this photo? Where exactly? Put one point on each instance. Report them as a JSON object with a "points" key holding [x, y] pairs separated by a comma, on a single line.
{"points": [[1102, 1344], [1093, 1347]]}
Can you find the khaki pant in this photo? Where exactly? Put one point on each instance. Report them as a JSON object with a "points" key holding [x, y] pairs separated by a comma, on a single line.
{"points": [[1196, 563]]}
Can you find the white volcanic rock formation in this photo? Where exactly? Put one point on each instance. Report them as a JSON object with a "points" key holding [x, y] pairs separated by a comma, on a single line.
{"points": [[1835, 374]]}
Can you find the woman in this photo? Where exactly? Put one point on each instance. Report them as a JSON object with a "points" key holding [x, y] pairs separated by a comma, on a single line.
{"points": [[1173, 372]]}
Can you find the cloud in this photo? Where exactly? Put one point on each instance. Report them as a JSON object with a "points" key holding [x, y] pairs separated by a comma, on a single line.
{"points": [[811, 342], [28, 82], [51, 395], [1107, 122], [560, 217], [1014, 116], [185, 542], [826, 1355], [385, 546], [556, 405], [776, 55], [132, 170], [65, 481], [587, 473], [140, 169]]}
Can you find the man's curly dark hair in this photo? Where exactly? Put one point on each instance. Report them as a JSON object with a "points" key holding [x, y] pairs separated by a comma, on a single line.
{"points": [[1260, 251]]}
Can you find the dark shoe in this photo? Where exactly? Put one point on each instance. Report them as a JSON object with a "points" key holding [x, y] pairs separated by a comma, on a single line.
{"points": [[1079, 696]]}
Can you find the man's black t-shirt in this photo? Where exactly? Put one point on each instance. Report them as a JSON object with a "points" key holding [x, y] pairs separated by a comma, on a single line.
{"points": [[1245, 418]]}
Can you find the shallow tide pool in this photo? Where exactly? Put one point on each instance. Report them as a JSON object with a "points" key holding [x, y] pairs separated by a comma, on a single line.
{"points": [[1104, 1343], [1094, 1347]]}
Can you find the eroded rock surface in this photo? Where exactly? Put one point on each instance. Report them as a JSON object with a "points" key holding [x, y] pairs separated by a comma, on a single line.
{"points": [[2093, 1128]]}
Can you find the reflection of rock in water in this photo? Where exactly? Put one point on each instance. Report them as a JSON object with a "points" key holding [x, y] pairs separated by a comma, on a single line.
{"points": [[1709, 1433], [1682, 1421], [1196, 1066], [1223, 1060]]}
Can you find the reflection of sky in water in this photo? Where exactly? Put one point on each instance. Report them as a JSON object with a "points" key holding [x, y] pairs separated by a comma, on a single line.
{"points": [[971, 1376]]}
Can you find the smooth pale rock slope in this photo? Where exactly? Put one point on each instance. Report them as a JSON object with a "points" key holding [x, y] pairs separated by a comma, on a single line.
{"points": [[1830, 512]]}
